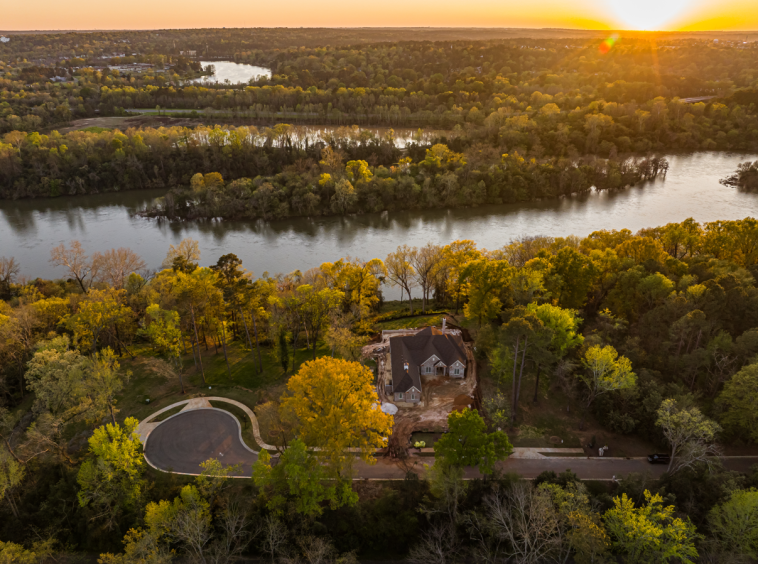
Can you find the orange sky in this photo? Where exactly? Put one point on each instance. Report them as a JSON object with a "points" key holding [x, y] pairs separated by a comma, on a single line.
{"points": [[690, 15]]}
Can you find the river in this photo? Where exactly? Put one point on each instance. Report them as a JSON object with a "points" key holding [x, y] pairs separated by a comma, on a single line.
{"points": [[30, 228]]}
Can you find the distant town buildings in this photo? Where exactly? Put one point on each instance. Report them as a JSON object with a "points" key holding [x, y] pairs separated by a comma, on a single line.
{"points": [[188, 53], [4, 39]]}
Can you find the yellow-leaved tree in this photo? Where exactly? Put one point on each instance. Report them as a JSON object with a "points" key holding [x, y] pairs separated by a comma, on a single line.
{"points": [[334, 407]]}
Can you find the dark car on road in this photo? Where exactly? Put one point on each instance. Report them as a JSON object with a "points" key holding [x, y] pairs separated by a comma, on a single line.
{"points": [[658, 458]]}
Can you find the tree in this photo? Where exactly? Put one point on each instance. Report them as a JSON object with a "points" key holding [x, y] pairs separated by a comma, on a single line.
{"points": [[424, 262], [114, 266], [104, 383], [467, 443], [455, 257], [188, 523], [487, 286], [99, 311], [359, 280], [650, 533], [298, 478], [690, 434], [524, 518], [140, 547], [12, 473], [606, 371], [164, 332], [344, 196], [563, 327], [76, 262], [400, 271], [334, 407], [12, 553], [739, 401], [188, 251], [734, 523], [9, 269], [316, 309], [570, 277], [111, 478], [522, 331], [57, 375]]}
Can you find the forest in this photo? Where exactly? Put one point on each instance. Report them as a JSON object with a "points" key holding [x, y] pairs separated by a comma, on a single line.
{"points": [[650, 336], [574, 99]]}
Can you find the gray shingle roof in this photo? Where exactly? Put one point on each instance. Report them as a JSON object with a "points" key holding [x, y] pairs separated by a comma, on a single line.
{"points": [[417, 349]]}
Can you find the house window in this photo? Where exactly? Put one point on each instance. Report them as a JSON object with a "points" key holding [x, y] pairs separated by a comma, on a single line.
{"points": [[413, 396], [456, 371], [400, 395], [428, 369]]}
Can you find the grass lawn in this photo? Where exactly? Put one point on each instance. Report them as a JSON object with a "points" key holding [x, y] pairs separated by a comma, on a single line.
{"points": [[243, 381], [411, 322]]}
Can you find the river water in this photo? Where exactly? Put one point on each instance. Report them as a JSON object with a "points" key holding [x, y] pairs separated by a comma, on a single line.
{"points": [[30, 228]]}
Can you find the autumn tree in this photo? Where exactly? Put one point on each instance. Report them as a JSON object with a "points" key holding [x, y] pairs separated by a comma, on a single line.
{"points": [[187, 251], [110, 480], [334, 407], [99, 311], [316, 309], [605, 371], [649, 533], [455, 257], [488, 288]]}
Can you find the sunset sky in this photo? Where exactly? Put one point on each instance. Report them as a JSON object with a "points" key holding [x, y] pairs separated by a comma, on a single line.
{"points": [[689, 15]]}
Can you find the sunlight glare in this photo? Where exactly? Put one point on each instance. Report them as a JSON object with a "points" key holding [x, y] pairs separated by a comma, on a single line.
{"points": [[647, 14]]}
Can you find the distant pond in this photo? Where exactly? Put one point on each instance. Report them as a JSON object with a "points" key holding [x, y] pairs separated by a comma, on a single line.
{"points": [[235, 73]]}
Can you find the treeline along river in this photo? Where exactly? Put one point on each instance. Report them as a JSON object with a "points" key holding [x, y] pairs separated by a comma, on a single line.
{"points": [[30, 228]]}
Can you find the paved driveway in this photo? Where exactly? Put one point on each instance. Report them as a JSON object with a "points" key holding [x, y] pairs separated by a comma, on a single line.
{"points": [[182, 442]]}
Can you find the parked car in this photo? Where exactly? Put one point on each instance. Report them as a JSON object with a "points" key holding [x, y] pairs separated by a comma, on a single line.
{"points": [[658, 458]]}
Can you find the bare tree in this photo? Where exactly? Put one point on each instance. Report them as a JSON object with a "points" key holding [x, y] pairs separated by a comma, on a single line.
{"points": [[438, 545], [274, 537], [400, 271], [76, 261], [9, 269], [115, 265], [525, 518], [424, 261]]}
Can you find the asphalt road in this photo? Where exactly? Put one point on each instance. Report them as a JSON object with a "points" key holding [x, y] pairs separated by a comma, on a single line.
{"points": [[182, 442]]}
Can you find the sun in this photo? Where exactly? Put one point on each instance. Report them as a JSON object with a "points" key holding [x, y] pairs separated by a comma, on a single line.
{"points": [[647, 14]]}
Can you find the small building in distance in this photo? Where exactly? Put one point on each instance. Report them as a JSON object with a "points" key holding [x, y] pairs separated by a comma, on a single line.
{"points": [[430, 353], [4, 39]]}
